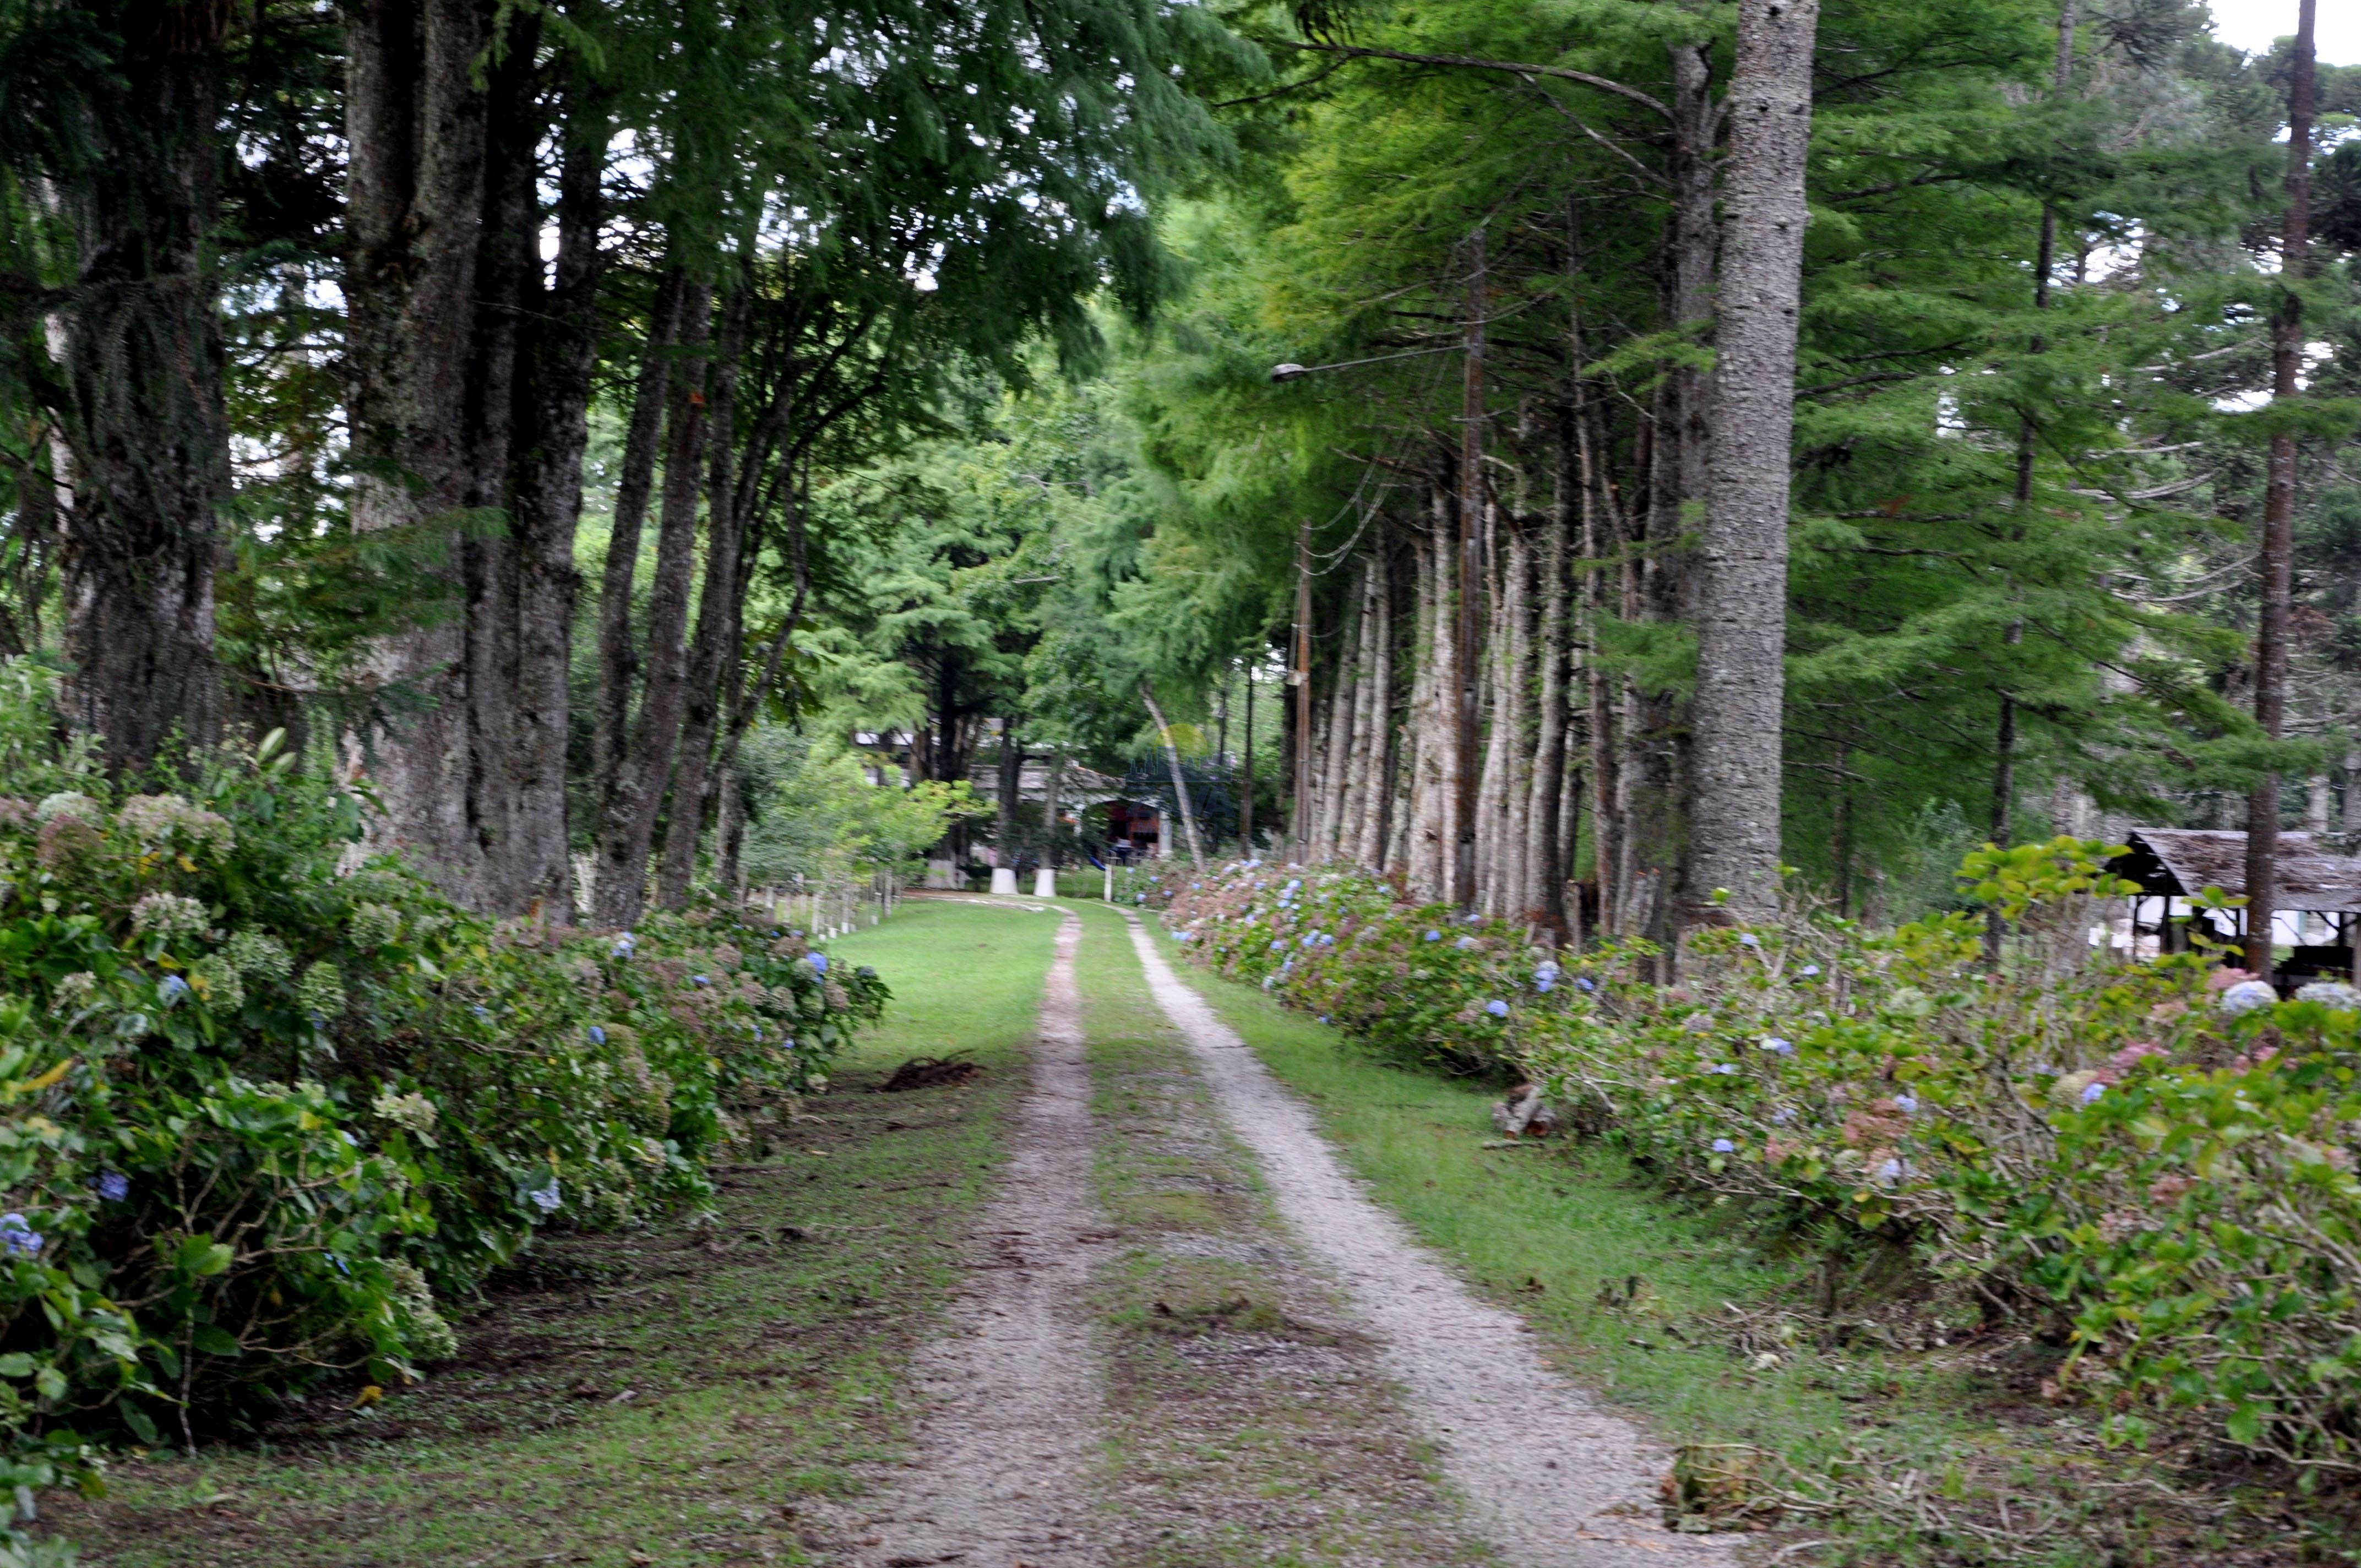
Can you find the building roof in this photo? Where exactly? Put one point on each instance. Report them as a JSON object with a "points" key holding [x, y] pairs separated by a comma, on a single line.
{"points": [[2181, 860]]}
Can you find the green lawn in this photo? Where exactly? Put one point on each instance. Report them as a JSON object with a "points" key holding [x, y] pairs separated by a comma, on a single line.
{"points": [[674, 1395]]}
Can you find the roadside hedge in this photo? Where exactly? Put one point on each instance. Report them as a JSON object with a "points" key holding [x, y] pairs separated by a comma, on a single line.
{"points": [[264, 1105], [2150, 1164]]}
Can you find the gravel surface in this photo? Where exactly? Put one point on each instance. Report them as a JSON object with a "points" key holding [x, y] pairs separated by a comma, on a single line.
{"points": [[1552, 1478], [1012, 1391]]}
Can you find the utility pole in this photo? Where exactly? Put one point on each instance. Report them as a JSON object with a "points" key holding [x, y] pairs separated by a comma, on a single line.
{"points": [[2279, 506], [1300, 678], [1461, 892]]}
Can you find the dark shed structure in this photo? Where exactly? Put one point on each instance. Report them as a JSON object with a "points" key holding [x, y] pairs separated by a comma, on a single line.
{"points": [[2171, 863]]}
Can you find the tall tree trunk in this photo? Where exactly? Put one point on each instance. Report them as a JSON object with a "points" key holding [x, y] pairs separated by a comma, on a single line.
{"points": [[1052, 778], [416, 120], [1491, 774], [559, 356], [1337, 763], [2003, 802], [1246, 787], [1372, 716], [1436, 782], [1011, 785], [747, 699], [2276, 563], [1743, 625], [1467, 688], [1601, 529], [718, 638], [145, 370], [619, 659], [628, 818], [1180, 780], [1299, 701], [1545, 892]]}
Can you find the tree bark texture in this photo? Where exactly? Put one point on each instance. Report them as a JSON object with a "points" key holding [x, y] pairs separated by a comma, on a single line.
{"points": [[469, 371], [1741, 630], [628, 816], [619, 659], [1545, 890], [719, 602], [417, 122], [145, 417]]}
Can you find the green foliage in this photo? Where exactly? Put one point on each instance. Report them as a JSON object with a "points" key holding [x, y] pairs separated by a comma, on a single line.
{"points": [[825, 821], [2148, 1162], [257, 1111]]}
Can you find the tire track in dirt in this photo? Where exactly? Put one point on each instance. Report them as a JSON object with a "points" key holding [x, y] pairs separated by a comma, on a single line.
{"points": [[1550, 1477], [1013, 1394]]}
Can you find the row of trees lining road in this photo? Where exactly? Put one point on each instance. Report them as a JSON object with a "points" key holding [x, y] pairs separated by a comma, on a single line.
{"points": [[1803, 434], [2002, 576], [310, 306]]}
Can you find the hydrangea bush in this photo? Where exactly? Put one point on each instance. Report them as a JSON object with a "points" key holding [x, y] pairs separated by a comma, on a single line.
{"points": [[259, 1110], [2148, 1163]]}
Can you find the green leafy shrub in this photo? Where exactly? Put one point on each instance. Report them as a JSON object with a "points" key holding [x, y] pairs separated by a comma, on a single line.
{"points": [[260, 1109], [2149, 1162]]}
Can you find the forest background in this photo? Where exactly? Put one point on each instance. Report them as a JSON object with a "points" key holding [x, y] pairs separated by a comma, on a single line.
{"points": [[578, 420]]}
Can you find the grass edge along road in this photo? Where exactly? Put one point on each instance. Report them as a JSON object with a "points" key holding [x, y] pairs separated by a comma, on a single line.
{"points": [[1673, 1311], [665, 1397]]}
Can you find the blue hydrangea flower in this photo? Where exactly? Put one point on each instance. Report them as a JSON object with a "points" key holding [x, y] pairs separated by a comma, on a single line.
{"points": [[1545, 971], [1723, 1145], [1778, 1046], [2090, 1093], [1545, 986], [1749, 939], [1274, 947], [1891, 1171], [113, 1185], [700, 979], [545, 1199], [17, 1238], [172, 989], [2247, 996], [597, 1035], [1907, 1103], [1808, 971], [625, 945], [1725, 1068], [1324, 1018], [819, 963], [1497, 1008], [1434, 936], [1584, 980], [1465, 943]]}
